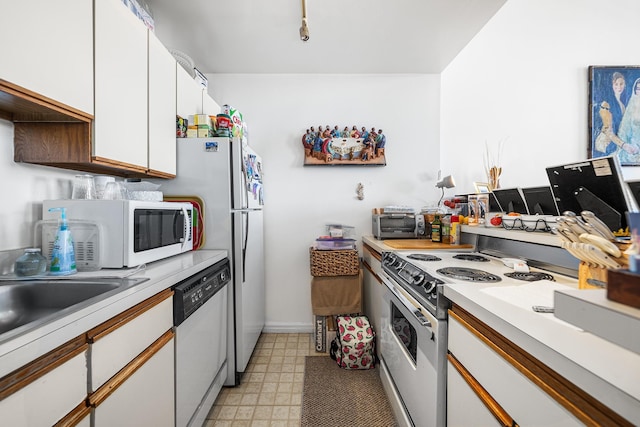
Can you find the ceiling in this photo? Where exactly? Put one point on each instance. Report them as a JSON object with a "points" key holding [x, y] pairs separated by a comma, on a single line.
{"points": [[346, 36]]}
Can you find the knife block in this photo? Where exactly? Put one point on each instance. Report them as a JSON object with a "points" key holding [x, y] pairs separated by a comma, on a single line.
{"points": [[589, 273], [623, 286]]}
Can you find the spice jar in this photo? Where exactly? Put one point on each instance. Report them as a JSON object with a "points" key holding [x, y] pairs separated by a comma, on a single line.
{"points": [[31, 263], [436, 228]]}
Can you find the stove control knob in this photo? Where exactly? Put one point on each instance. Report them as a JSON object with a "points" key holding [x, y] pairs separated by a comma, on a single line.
{"points": [[417, 279], [430, 285]]}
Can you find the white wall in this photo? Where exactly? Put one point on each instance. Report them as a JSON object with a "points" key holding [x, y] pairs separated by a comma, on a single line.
{"points": [[524, 79], [301, 200], [24, 187]]}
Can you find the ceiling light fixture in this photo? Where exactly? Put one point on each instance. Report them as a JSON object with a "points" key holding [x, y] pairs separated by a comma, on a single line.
{"points": [[304, 29]]}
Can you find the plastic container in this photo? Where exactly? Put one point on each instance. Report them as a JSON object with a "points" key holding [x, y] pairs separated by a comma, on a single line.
{"points": [[436, 229], [335, 244], [63, 257], [31, 263], [454, 235]]}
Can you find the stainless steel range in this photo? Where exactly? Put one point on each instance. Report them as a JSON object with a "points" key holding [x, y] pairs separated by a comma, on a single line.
{"points": [[413, 336]]}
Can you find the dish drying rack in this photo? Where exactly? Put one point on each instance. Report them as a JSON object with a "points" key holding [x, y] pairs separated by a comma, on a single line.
{"points": [[86, 241]]}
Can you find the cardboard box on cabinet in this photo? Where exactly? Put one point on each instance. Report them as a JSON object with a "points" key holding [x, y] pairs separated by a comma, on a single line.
{"points": [[324, 333], [181, 127]]}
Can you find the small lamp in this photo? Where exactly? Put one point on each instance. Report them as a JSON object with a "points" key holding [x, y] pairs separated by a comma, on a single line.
{"points": [[446, 182]]}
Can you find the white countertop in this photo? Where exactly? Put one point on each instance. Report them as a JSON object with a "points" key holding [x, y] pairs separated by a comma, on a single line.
{"points": [[162, 274], [539, 237], [608, 372]]}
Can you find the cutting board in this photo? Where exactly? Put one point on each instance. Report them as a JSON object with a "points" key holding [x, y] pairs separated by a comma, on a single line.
{"points": [[422, 244], [198, 223]]}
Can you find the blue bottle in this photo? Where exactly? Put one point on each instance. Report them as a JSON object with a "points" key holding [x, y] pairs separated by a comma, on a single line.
{"points": [[63, 257]]}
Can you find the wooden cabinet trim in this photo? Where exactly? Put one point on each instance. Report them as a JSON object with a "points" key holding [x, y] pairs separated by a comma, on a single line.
{"points": [[74, 417], [126, 316], [29, 373], [118, 379], [492, 405], [582, 405], [373, 273], [160, 174], [373, 252], [121, 165], [24, 105]]}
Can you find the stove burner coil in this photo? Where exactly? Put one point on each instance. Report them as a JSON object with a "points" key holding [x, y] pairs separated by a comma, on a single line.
{"points": [[471, 257], [531, 276], [469, 274], [424, 257]]}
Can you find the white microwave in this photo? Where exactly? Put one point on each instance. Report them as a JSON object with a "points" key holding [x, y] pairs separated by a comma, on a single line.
{"points": [[132, 232]]}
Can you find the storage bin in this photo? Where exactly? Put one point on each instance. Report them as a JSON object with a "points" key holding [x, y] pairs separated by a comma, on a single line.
{"points": [[335, 244], [334, 263]]}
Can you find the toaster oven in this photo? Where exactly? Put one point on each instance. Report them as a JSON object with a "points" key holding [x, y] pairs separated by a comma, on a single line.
{"points": [[398, 226]]}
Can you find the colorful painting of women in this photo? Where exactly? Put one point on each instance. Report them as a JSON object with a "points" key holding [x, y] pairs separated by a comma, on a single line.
{"points": [[611, 93]]}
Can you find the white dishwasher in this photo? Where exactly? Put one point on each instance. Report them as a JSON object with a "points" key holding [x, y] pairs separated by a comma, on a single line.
{"points": [[200, 319]]}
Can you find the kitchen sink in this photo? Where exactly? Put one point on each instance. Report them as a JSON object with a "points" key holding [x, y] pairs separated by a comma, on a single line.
{"points": [[29, 304]]}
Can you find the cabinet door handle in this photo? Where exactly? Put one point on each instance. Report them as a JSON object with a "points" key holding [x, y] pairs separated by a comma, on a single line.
{"points": [[492, 405]]}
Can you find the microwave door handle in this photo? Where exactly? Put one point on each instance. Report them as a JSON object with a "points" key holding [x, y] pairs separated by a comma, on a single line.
{"points": [[176, 228], [189, 227]]}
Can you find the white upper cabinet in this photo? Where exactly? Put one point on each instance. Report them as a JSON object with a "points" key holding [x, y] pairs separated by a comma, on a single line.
{"points": [[120, 126], [209, 105], [189, 96], [162, 108], [48, 48]]}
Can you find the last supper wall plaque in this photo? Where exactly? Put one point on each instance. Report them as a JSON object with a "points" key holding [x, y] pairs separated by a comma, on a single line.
{"points": [[334, 147]]}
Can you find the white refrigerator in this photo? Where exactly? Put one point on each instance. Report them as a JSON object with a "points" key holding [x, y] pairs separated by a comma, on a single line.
{"points": [[227, 175]]}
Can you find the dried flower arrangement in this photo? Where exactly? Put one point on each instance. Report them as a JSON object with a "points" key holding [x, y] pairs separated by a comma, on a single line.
{"points": [[492, 165]]}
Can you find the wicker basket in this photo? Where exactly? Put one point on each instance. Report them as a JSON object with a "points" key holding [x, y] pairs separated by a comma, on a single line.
{"points": [[334, 262]]}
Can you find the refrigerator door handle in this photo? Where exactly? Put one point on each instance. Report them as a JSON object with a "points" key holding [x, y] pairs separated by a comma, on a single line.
{"points": [[244, 191], [244, 245]]}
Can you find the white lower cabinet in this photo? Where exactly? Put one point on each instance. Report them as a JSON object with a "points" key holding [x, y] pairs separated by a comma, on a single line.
{"points": [[46, 390], [120, 373], [464, 407], [142, 394], [118, 341], [490, 377], [373, 287], [132, 366]]}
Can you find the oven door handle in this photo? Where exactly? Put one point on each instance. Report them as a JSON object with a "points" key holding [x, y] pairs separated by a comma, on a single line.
{"points": [[405, 302]]}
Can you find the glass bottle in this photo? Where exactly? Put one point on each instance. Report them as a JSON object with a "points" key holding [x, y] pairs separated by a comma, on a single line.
{"points": [[31, 263], [436, 227], [445, 228]]}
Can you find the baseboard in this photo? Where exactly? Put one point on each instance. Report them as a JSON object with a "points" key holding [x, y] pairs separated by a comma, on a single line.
{"points": [[288, 328]]}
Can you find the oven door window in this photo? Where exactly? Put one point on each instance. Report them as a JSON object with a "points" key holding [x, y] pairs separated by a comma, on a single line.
{"points": [[156, 228], [405, 332]]}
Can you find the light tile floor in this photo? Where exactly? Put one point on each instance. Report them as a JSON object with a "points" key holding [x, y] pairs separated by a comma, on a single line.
{"points": [[270, 393]]}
